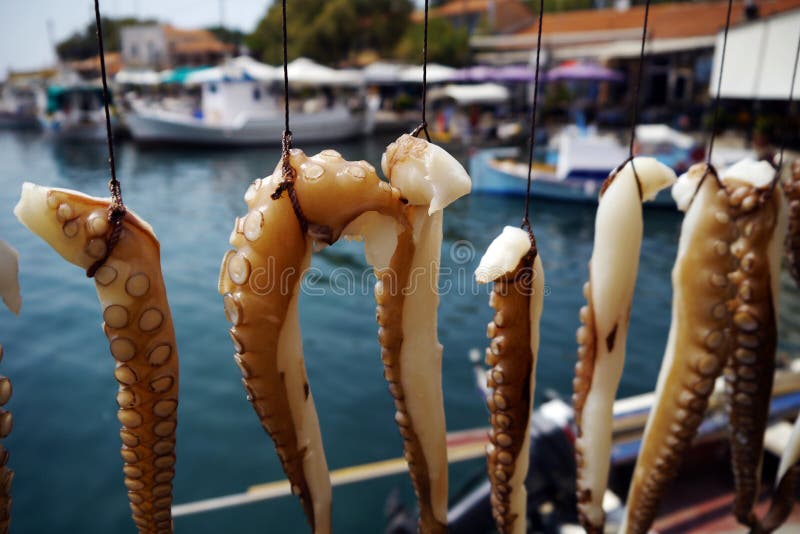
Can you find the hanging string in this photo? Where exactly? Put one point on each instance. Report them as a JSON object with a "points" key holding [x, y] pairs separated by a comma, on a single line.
{"points": [[287, 171], [638, 85], [719, 85], [116, 210], [423, 126], [526, 223], [790, 106]]}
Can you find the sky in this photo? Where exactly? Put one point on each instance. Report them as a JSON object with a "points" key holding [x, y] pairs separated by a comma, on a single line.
{"points": [[25, 43]]}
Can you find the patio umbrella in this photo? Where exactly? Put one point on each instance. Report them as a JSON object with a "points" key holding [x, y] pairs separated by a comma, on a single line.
{"points": [[573, 70]]}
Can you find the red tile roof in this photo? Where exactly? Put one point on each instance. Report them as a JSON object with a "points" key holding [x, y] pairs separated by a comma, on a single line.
{"points": [[509, 15], [687, 19]]}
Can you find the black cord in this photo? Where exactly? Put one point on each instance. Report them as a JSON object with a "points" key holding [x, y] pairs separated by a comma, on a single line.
{"points": [[423, 126], [116, 210], [719, 84], [638, 86], [526, 224], [286, 130], [790, 105]]}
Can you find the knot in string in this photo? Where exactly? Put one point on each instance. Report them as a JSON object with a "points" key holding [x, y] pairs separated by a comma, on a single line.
{"points": [[289, 176]]}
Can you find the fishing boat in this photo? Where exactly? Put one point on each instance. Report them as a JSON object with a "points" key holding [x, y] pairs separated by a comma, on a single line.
{"points": [[577, 161], [239, 106], [18, 107], [75, 113]]}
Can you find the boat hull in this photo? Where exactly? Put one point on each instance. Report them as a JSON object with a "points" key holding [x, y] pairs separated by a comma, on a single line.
{"points": [[324, 127], [488, 179]]}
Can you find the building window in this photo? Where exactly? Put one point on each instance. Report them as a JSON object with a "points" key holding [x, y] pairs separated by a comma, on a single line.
{"points": [[212, 87], [134, 51], [256, 93]]}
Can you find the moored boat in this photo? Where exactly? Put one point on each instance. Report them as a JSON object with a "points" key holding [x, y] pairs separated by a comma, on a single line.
{"points": [[75, 113]]}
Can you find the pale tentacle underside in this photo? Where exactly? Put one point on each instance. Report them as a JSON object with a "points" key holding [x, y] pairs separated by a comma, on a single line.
{"points": [[139, 327], [9, 292], [605, 318], [429, 179], [759, 214], [698, 345], [517, 297]]}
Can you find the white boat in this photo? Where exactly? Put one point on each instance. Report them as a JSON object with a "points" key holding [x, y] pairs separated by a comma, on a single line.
{"points": [[241, 104], [18, 107], [577, 163], [75, 113]]}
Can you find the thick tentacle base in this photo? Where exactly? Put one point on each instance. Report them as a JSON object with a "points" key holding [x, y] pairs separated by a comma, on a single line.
{"points": [[698, 346], [605, 318], [759, 214], [260, 282], [138, 325], [792, 190], [516, 269]]}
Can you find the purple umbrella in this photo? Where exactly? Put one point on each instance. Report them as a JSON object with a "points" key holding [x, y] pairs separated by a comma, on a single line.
{"points": [[583, 71]]}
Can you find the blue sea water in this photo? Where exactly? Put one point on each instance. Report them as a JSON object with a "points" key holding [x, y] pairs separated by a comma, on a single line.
{"points": [[65, 445]]}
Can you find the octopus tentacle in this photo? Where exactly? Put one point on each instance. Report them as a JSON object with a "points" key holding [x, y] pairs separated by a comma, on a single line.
{"points": [[791, 189], [785, 491], [789, 468], [602, 338], [429, 180], [139, 327], [260, 283], [760, 217], [514, 265], [9, 292], [698, 345]]}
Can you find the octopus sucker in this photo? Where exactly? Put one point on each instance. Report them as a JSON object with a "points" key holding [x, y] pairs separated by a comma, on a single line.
{"points": [[138, 324], [513, 264], [602, 338], [9, 292], [791, 189], [698, 345], [758, 212], [428, 180]]}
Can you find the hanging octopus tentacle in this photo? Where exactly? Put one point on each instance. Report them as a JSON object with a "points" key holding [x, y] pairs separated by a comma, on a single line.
{"points": [[9, 292], [759, 214], [514, 265], [786, 480], [139, 327], [260, 283], [698, 346], [602, 338], [429, 179], [791, 189], [789, 469]]}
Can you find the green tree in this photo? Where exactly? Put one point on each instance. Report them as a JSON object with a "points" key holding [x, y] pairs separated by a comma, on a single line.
{"points": [[227, 35], [83, 44], [330, 31], [446, 44]]}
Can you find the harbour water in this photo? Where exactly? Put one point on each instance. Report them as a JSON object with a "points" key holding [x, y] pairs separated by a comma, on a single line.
{"points": [[65, 447]]}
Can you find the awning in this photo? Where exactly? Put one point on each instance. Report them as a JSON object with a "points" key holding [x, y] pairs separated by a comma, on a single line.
{"points": [[305, 71], [137, 77], [179, 74], [242, 68], [758, 59], [436, 73], [484, 93]]}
